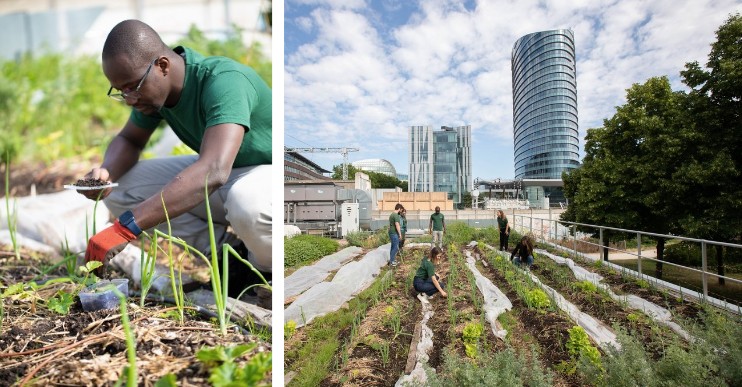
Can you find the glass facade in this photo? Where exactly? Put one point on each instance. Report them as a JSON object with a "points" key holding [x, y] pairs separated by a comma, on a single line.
{"points": [[546, 139], [376, 165], [440, 161]]}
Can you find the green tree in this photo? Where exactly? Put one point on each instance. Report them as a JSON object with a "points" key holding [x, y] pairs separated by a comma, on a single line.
{"points": [[378, 180], [337, 172], [670, 162], [625, 177], [711, 173]]}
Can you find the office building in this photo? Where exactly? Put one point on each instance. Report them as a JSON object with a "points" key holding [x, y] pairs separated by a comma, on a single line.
{"points": [[298, 167], [546, 140], [440, 161]]}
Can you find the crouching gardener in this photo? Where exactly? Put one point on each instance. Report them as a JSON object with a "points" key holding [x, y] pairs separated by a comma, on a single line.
{"points": [[219, 108], [426, 281]]}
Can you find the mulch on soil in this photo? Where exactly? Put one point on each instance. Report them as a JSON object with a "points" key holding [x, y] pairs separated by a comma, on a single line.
{"points": [[89, 348], [365, 365]]}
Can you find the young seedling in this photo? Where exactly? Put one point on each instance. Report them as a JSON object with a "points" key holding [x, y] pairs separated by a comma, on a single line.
{"points": [[12, 217], [147, 269]]}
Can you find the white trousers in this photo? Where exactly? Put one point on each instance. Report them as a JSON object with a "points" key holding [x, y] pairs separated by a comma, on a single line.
{"points": [[244, 203]]}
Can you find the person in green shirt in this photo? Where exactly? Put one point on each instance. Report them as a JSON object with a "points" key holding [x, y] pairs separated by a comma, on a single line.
{"points": [[437, 227], [426, 281], [502, 224], [219, 108], [403, 228], [395, 232]]}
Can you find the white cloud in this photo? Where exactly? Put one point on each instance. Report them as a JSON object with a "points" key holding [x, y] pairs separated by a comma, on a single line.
{"points": [[363, 82]]}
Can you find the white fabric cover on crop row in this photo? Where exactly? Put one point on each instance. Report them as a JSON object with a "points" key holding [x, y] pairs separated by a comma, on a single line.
{"points": [[418, 377], [654, 311], [599, 332], [327, 297], [308, 276], [495, 301], [52, 219], [685, 292]]}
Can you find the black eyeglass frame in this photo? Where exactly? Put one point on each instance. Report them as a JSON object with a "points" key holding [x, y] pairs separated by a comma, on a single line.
{"points": [[134, 94]]}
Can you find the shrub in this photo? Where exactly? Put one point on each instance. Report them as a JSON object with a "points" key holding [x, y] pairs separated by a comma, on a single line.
{"points": [[303, 249], [504, 368]]}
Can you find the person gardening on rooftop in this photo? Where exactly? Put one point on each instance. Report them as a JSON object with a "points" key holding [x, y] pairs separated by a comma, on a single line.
{"points": [[426, 281], [523, 252], [219, 108]]}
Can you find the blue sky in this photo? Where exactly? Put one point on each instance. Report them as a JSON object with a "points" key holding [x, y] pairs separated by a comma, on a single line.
{"points": [[357, 73]]}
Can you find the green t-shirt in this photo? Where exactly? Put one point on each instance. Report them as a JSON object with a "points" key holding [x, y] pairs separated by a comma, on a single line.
{"points": [[219, 90], [426, 269], [394, 218], [403, 225], [502, 223], [437, 221]]}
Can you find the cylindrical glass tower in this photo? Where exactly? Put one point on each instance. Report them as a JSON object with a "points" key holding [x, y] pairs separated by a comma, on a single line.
{"points": [[545, 105]]}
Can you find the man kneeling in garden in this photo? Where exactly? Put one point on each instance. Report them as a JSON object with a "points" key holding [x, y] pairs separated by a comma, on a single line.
{"points": [[219, 108]]}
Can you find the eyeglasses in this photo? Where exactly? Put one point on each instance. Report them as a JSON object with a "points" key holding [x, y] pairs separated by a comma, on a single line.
{"points": [[135, 94]]}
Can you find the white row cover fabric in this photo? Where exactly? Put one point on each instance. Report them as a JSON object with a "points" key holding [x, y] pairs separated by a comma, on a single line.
{"points": [[326, 297], [418, 377], [54, 219], [654, 311], [599, 332], [308, 276], [495, 301]]}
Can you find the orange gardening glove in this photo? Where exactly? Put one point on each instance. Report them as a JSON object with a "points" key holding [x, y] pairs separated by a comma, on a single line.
{"points": [[107, 243]]}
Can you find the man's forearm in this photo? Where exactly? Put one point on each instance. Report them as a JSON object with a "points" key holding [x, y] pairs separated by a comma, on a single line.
{"points": [[180, 195], [121, 155]]}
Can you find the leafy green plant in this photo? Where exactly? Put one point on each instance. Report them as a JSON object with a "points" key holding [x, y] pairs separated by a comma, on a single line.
{"points": [[586, 286], [578, 346], [537, 299], [87, 270], [61, 302], [472, 332], [225, 372], [289, 329]]}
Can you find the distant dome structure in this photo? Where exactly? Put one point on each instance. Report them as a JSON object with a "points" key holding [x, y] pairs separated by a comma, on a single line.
{"points": [[376, 165]]}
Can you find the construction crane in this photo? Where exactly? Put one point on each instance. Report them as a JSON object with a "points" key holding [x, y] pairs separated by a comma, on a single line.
{"points": [[343, 151]]}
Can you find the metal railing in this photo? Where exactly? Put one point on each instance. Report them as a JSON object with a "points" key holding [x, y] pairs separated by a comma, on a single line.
{"points": [[554, 229]]}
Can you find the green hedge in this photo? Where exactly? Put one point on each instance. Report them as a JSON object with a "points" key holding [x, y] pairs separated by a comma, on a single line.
{"points": [[303, 249]]}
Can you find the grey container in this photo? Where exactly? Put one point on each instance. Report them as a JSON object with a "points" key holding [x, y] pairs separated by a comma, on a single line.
{"points": [[95, 297]]}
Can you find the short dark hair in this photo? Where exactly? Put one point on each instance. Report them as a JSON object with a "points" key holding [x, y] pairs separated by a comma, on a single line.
{"points": [[134, 40], [434, 252], [398, 206]]}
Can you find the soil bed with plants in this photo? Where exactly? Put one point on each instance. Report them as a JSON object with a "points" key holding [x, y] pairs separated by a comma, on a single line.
{"points": [[47, 339], [543, 345]]}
